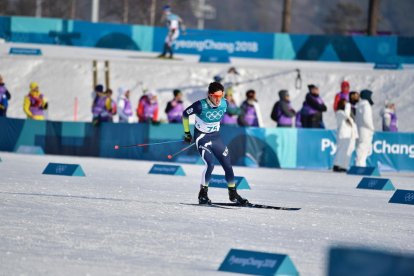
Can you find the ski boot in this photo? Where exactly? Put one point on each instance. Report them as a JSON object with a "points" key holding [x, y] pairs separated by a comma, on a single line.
{"points": [[203, 196], [235, 197]]}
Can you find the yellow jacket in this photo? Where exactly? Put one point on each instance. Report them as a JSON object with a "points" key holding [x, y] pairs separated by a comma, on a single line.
{"points": [[28, 106]]}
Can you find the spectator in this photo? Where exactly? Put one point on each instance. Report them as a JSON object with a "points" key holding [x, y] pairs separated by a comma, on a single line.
{"points": [[282, 111], [313, 107], [389, 118], [125, 112], [365, 126], [230, 117], [346, 136], [147, 110], [353, 100], [4, 98], [101, 107], [113, 109], [250, 111], [342, 95], [35, 103], [175, 108]]}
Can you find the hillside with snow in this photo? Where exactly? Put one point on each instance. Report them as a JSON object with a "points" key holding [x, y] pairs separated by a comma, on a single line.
{"points": [[65, 73]]}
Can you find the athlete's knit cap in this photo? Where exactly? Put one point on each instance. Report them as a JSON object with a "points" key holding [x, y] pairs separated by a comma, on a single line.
{"points": [[366, 95], [344, 84], [166, 8], [99, 88], [33, 85], [311, 86]]}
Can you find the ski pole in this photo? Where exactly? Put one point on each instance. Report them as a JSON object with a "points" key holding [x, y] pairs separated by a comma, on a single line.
{"points": [[144, 145], [170, 156]]}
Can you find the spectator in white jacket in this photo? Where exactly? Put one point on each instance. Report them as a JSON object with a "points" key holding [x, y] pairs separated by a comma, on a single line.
{"points": [[346, 136], [126, 114], [365, 126]]}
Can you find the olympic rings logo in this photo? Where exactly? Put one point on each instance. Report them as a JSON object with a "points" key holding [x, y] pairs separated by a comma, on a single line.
{"points": [[372, 183], [409, 197], [214, 115]]}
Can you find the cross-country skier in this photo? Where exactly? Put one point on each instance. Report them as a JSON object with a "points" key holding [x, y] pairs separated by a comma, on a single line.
{"points": [[208, 113], [174, 24]]}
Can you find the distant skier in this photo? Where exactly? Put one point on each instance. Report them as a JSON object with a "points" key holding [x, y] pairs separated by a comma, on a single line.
{"points": [[208, 113], [4, 98], [174, 24]]}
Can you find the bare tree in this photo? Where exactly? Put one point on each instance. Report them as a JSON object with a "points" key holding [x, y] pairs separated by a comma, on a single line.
{"points": [[345, 17]]}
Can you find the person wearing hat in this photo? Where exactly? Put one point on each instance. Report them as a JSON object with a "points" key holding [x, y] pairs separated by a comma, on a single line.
{"points": [[346, 136], [389, 118], [175, 108], [101, 106], [230, 116], [126, 115], [313, 107], [249, 111], [342, 95], [282, 111], [147, 110], [4, 98], [208, 113], [35, 103], [365, 124], [174, 24]]}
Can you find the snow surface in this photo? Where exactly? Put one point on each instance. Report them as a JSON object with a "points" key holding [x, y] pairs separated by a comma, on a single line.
{"points": [[66, 72], [120, 220]]}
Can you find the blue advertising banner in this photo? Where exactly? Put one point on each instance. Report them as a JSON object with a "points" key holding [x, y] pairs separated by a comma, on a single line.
{"points": [[237, 44], [255, 147], [372, 49]]}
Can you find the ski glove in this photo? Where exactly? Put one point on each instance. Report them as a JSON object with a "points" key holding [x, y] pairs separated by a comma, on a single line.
{"points": [[187, 137]]}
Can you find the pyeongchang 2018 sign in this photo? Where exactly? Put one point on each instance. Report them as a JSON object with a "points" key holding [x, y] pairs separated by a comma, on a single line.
{"points": [[391, 150], [240, 44]]}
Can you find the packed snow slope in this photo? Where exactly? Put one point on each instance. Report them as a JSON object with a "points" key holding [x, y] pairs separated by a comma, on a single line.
{"points": [[120, 220], [64, 73]]}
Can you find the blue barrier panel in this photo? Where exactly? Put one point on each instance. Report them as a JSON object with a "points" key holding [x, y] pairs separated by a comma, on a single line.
{"points": [[372, 171], [258, 263], [362, 261], [30, 150], [189, 159], [25, 51], [64, 169], [388, 66], [376, 184], [402, 197], [214, 57], [219, 181], [167, 169]]}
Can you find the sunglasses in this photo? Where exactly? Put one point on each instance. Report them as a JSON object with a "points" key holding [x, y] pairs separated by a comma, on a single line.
{"points": [[217, 94]]}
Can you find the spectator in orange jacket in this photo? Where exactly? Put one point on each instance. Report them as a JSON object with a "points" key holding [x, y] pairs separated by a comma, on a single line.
{"points": [[147, 110]]}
